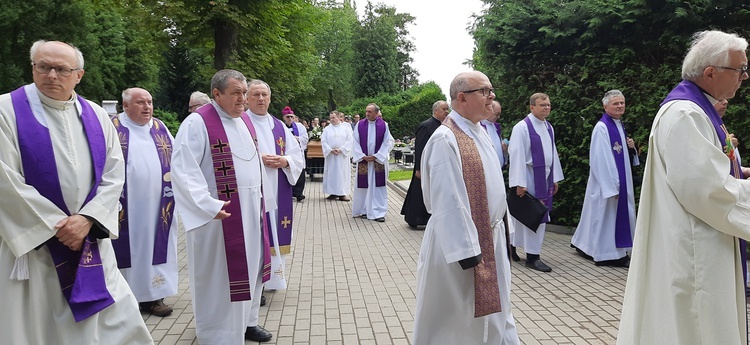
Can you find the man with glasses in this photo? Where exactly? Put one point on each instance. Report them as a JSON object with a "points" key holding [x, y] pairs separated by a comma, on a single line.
{"points": [[300, 133], [62, 174], [414, 211], [685, 283], [534, 168], [463, 271], [197, 99]]}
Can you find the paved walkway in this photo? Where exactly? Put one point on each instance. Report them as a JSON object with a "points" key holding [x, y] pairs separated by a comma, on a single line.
{"points": [[353, 281]]}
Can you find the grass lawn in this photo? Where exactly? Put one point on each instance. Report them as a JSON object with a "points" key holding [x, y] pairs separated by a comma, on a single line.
{"points": [[398, 175]]}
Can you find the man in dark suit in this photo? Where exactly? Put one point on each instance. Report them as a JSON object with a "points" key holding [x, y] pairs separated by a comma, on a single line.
{"points": [[414, 210]]}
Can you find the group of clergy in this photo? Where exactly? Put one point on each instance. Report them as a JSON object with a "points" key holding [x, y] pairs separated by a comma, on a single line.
{"points": [[686, 283]]}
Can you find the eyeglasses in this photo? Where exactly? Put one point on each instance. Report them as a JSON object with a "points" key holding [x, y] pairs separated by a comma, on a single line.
{"points": [[61, 71], [543, 105], [486, 91], [742, 70], [194, 106]]}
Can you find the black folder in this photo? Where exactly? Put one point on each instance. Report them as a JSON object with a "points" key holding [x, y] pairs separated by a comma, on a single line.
{"points": [[527, 209]]}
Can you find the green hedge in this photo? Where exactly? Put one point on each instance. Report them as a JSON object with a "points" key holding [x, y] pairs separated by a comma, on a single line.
{"points": [[404, 110]]}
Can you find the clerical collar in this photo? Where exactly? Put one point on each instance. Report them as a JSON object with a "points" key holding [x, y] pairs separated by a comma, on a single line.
{"points": [[126, 119], [53, 103], [260, 118], [463, 123], [221, 111], [536, 119]]}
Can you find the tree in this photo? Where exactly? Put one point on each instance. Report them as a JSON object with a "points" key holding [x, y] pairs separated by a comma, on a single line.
{"points": [[381, 37]]}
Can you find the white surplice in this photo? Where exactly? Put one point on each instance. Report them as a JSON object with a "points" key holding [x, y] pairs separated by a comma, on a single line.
{"points": [[445, 291], [685, 284], [371, 201], [264, 125], [337, 172], [143, 171], [521, 174], [218, 320], [35, 310], [595, 234]]}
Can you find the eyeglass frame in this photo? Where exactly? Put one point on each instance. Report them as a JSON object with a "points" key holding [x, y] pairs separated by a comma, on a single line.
{"points": [[63, 72], [742, 70], [490, 90]]}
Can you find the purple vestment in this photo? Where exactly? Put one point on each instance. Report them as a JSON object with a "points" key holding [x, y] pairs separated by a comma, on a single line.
{"points": [[80, 274]]}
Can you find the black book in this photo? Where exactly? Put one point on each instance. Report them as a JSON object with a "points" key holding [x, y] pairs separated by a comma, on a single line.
{"points": [[527, 209]]}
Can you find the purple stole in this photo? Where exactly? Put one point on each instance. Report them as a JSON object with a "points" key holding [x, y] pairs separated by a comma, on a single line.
{"points": [[81, 274], [283, 195], [166, 210], [623, 237], [226, 184], [362, 170], [543, 186], [687, 90], [295, 130]]}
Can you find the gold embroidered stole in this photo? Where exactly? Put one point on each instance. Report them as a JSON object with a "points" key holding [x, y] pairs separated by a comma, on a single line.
{"points": [[486, 287]]}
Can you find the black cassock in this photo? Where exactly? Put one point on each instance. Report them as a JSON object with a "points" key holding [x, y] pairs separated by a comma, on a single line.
{"points": [[413, 210]]}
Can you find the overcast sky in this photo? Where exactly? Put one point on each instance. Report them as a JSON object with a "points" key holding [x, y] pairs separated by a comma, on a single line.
{"points": [[440, 34]]}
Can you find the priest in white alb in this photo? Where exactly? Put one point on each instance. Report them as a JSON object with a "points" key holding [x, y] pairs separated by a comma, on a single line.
{"points": [[605, 231], [61, 176], [370, 151], [463, 271], [217, 175], [535, 169], [147, 247], [337, 142], [685, 283], [283, 161]]}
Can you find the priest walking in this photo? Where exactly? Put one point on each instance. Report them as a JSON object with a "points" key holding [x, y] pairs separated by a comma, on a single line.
{"points": [[147, 248], [336, 142], [300, 133], [534, 168], [283, 163], [217, 174], [413, 210], [463, 271], [685, 283], [62, 173], [605, 232], [372, 146]]}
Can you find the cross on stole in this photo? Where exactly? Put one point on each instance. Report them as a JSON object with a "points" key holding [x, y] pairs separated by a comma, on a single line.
{"points": [[224, 168], [220, 145]]}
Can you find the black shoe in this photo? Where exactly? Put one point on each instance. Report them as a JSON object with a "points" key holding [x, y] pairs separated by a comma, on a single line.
{"points": [[381, 219], [621, 262], [332, 197], [584, 255], [514, 255], [262, 301], [258, 334], [414, 226], [538, 265]]}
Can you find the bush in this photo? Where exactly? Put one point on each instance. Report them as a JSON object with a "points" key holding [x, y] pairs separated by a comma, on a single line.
{"points": [[404, 110], [169, 118]]}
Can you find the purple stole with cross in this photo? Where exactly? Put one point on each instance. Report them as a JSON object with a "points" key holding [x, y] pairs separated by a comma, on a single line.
{"points": [[283, 195], [81, 274], [166, 209], [543, 186], [362, 171], [687, 90], [623, 238], [226, 185]]}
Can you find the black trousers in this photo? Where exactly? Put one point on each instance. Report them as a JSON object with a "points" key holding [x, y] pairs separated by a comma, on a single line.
{"points": [[299, 188]]}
